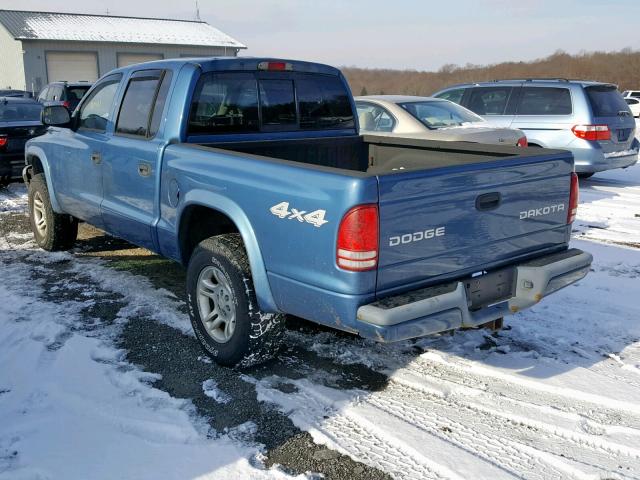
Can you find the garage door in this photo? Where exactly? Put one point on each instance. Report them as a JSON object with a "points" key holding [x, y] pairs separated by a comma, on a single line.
{"points": [[126, 59], [72, 66]]}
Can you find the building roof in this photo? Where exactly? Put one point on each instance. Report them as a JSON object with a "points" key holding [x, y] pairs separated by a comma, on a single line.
{"points": [[23, 25]]}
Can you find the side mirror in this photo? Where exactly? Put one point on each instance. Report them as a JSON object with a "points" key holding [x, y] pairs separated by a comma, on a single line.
{"points": [[56, 116]]}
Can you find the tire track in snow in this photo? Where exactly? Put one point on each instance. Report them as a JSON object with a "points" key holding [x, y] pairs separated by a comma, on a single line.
{"points": [[601, 411], [355, 436], [500, 437]]}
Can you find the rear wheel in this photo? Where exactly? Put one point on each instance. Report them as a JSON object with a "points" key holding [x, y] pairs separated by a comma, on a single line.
{"points": [[52, 231], [223, 307]]}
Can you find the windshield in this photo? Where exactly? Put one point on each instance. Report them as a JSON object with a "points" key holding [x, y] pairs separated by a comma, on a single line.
{"points": [[606, 101], [18, 112], [440, 114]]}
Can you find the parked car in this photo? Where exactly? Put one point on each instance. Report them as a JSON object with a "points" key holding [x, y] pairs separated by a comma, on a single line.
{"points": [[634, 105], [631, 93], [15, 93], [590, 119], [251, 172], [19, 121], [64, 93], [431, 119]]}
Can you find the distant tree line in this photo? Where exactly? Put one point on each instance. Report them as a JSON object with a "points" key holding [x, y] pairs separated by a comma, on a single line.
{"points": [[621, 68]]}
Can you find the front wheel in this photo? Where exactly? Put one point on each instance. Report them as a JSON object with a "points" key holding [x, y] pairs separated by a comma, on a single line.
{"points": [[52, 231], [223, 307]]}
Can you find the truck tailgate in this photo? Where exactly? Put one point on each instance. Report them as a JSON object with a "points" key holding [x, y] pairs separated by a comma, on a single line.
{"points": [[449, 222]]}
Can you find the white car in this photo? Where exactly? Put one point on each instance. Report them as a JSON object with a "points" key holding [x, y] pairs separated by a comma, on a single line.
{"points": [[634, 105], [431, 119], [631, 94]]}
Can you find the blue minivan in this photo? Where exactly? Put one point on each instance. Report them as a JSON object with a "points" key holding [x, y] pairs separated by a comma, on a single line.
{"points": [[590, 119]]}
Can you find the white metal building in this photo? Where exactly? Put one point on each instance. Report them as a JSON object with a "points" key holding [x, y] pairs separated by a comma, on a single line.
{"points": [[39, 47]]}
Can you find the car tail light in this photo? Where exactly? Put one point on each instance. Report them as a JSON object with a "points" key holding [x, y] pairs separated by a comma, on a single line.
{"points": [[522, 142], [592, 132], [357, 248], [66, 104], [573, 199], [275, 66], [3, 141]]}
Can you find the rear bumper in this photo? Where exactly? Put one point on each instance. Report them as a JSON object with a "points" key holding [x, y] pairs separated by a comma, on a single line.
{"points": [[592, 160], [446, 307]]}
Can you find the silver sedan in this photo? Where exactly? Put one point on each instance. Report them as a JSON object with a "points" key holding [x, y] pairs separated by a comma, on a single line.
{"points": [[430, 119]]}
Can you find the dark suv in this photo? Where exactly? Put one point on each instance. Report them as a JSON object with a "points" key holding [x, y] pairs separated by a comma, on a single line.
{"points": [[64, 93]]}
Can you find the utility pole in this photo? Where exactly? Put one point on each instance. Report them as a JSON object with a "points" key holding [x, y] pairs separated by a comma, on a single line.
{"points": [[198, 11]]}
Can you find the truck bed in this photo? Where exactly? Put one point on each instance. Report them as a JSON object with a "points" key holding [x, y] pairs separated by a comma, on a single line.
{"points": [[377, 155]]}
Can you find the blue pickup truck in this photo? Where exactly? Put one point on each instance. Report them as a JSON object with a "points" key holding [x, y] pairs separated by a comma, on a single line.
{"points": [[252, 173]]}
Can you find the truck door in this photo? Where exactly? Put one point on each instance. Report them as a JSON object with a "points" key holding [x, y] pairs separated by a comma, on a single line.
{"points": [[78, 167], [132, 160]]}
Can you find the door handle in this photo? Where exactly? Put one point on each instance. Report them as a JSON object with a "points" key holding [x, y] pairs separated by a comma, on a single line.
{"points": [[488, 201], [144, 169], [96, 158]]}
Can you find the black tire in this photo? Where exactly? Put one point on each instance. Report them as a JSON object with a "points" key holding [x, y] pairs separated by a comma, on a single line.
{"points": [[257, 336], [61, 230], [585, 175]]}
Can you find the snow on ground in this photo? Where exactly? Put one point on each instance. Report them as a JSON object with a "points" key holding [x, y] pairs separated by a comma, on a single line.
{"points": [[71, 407], [610, 207], [554, 395], [13, 198]]}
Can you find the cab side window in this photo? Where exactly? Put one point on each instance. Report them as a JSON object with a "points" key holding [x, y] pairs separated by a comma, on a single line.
{"points": [[96, 110], [143, 103]]}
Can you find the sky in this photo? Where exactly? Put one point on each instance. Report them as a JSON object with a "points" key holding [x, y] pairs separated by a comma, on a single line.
{"points": [[402, 34]]}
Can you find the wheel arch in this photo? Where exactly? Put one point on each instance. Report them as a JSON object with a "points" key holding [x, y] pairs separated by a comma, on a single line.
{"points": [[198, 220], [37, 162]]}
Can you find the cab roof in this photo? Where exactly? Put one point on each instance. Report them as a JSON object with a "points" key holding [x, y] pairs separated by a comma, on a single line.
{"points": [[209, 64]]}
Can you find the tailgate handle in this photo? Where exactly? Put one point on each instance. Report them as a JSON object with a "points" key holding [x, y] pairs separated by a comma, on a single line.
{"points": [[488, 201]]}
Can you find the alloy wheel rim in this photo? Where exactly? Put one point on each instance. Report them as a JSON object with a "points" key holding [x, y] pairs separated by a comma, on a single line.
{"points": [[216, 304], [39, 214]]}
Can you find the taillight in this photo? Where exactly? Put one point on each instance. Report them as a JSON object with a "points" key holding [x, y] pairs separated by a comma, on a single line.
{"points": [[66, 104], [3, 141], [522, 142], [592, 132], [275, 66], [357, 248], [573, 199]]}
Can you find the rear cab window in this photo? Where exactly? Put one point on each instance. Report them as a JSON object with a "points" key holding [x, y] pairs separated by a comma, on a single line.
{"points": [[544, 101], [230, 103], [606, 101]]}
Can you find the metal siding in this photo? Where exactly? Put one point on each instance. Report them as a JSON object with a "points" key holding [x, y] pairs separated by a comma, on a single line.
{"points": [[35, 55], [12, 71]]}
